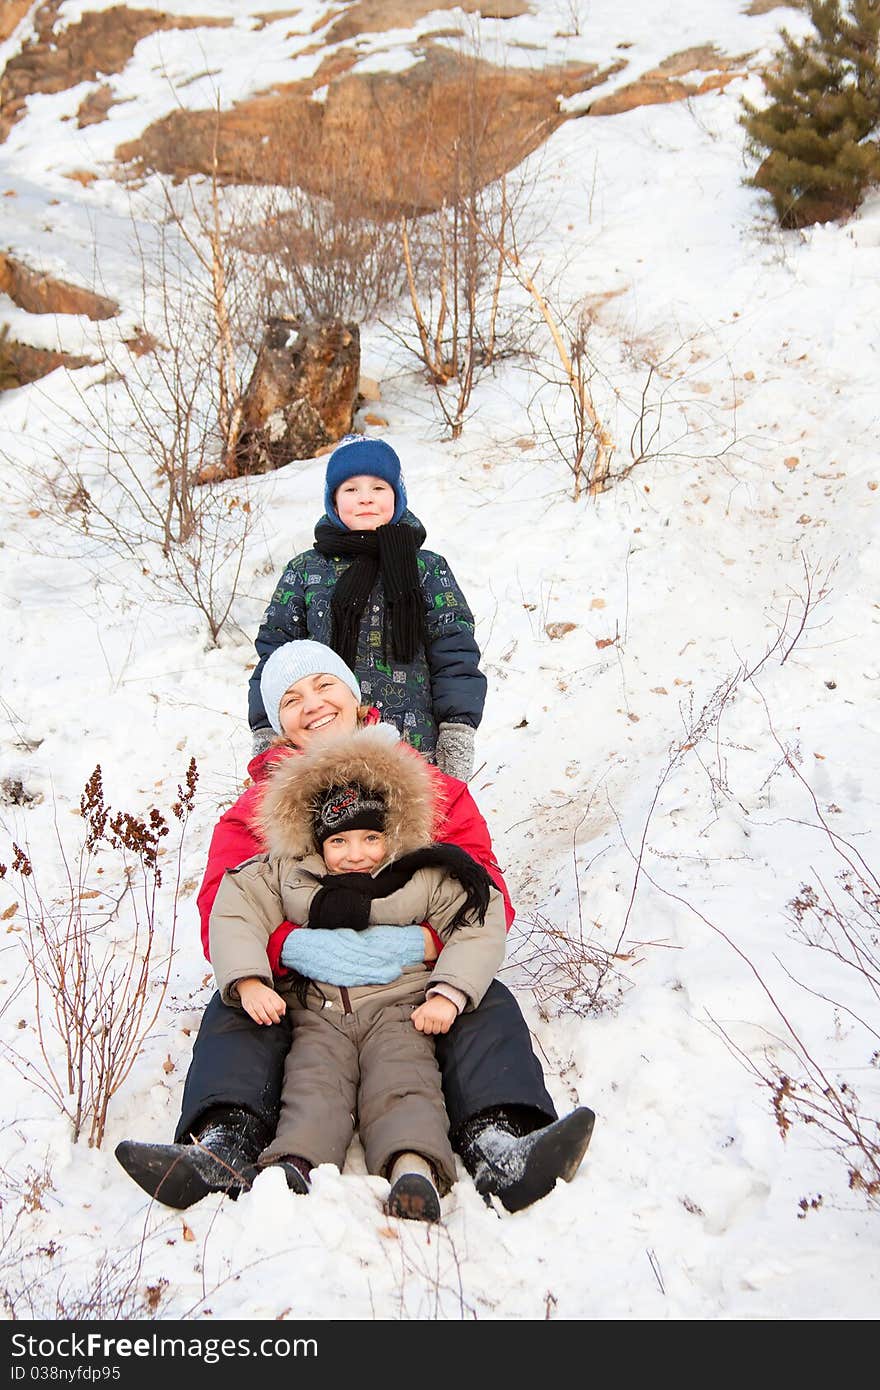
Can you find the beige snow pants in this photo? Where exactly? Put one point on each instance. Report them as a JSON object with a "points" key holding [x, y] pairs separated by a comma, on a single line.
{"points": [[357, 1062]]}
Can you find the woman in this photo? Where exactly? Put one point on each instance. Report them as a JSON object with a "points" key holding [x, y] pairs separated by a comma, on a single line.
{"points": [[502, 1121]]}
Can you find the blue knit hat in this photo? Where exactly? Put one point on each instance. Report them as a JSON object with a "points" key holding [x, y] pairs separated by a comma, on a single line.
{"points": [[354, 456], [294, 661]]}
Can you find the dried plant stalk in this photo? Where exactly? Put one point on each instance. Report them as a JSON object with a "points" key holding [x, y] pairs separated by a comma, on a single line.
{"points": [[97, 996]]}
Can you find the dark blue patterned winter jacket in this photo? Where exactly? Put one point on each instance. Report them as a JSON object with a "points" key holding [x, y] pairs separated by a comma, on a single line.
{"points": [[443, 683]]}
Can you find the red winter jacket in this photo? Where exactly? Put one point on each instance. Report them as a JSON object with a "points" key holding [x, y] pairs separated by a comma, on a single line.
{"points": [[236, 838]]}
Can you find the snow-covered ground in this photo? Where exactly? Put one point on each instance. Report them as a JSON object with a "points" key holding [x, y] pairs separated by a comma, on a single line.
{"points": [[661, 779]]}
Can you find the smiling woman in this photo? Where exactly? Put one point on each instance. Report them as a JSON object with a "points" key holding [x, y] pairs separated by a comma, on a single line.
{"points": [[502, 1121], [301, 701]]}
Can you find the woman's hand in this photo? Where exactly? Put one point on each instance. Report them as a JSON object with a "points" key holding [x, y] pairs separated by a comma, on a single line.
{"points": [[436, 1015], [431, 952], [260, 1002]]}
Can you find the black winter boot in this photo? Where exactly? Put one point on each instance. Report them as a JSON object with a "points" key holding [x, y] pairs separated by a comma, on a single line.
{"points": [[220, 1159], [296, 1170], [517, 1164]]}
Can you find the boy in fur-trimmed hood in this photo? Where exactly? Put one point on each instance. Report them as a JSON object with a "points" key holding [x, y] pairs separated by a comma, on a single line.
{"points": [[349, 826]]}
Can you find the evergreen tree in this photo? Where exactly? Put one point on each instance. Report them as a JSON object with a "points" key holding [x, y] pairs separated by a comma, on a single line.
{"points": [[823, 111]]}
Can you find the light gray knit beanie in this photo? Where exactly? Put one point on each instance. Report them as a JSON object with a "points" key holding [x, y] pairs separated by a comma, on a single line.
{"points": [[293, 662]]}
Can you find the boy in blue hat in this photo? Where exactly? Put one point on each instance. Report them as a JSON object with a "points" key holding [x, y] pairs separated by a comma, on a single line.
{"points": [[392, 611]]}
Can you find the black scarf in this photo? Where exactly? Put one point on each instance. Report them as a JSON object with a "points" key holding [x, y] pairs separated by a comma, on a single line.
{"points": [[343, 900], [390, 551]]}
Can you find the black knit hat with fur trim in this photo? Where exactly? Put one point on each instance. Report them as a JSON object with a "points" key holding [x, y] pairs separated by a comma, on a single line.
{"points": [[351, 807]]}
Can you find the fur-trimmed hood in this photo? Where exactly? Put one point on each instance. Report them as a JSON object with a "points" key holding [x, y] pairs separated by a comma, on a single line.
{"points": [[374, 757]]}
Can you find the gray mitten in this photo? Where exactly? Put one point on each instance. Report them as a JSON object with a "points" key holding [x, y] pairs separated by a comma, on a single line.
{"points": [[455, 750], [262, 739]]}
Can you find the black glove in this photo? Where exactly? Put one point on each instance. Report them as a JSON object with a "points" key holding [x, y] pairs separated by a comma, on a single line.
{"points": [[343, 901]]}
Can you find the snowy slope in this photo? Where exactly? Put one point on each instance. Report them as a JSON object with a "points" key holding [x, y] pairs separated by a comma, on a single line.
{"points": [[630, 832]]}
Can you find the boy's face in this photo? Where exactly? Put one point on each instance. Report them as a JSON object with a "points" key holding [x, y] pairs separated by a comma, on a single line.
{"points": [[363, 503], [354, 851], [316, 706]]}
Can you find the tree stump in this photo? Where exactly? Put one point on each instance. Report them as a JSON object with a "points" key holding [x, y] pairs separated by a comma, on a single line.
{"points": [[302, 393]]}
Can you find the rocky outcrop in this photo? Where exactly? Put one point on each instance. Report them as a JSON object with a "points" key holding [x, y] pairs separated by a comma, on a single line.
{"points": [[21, 364], [39, 293], [12, 12], [389, 142], [378, 16], [384, 142], [666, 83], [100, 43]]}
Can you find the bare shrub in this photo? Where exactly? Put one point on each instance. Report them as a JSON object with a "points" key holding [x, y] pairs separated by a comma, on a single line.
{"points": [[661, 417], [42, 1281], [322, 258], [569, 968], [583, 443], [462, 323], [456, 257], [803, 1088], [164, 419], [93, 954], [840, 921]]}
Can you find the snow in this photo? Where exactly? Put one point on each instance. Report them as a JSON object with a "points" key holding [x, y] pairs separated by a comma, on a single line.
{"points": [[674, 865]]}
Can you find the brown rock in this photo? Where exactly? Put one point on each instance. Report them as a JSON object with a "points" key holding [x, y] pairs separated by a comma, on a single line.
{"points": [[265, 17], [756, 7], [141, 344], [21, 364], [662, 84], [704, 57], [384, 141], [42, 294], [12, 12], [378, 16], [100, 43], [93, 108], [302, 395]]}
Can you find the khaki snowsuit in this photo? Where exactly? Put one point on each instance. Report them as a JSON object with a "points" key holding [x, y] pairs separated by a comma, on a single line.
{"points": [[356, 1060]]}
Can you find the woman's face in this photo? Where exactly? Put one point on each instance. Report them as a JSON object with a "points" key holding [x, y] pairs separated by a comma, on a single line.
{"points": [[316, 706]]}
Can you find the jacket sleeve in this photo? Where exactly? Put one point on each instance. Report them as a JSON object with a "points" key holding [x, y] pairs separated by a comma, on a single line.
{"points": [[458, 686], [245, 913], [464, 826], [283, 621], [473, 953], [233, 842]]}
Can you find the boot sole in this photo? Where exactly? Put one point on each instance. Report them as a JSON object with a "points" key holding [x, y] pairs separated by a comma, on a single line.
{"points": [[178, 1175], [295, 1180], [413, 1198], [556, 1153]]}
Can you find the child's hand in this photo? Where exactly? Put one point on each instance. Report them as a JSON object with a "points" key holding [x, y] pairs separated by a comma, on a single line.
{"points": [[261, 1002], [430, 946], [436, 1015]]}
